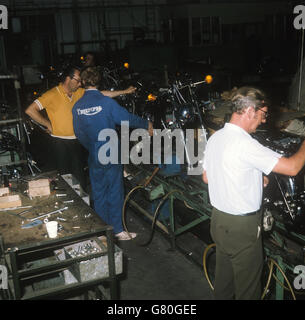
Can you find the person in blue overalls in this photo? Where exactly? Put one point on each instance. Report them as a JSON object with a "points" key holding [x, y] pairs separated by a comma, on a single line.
{"points": [[92, 114]]}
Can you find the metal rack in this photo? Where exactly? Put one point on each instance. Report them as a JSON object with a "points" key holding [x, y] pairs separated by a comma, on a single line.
{"points": [[15, 123], [18, 275], [194, 195]]}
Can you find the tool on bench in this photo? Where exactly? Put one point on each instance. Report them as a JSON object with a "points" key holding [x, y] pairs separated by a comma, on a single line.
{"points": [[32, 224], [48, 214]]}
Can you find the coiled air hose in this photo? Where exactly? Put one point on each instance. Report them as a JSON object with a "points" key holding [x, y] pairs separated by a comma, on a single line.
{"points": [[156, 214], [124, 207], [130, 193], [271, 265]]}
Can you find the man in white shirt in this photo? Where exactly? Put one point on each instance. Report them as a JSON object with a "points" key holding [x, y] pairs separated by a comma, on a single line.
{"points": [[234, 164]]}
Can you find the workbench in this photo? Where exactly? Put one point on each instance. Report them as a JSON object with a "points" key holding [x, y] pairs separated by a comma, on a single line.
{"points": [[24, 240]]}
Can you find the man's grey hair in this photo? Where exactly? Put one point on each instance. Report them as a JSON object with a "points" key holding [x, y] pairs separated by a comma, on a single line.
{"points": [[245, 97]]}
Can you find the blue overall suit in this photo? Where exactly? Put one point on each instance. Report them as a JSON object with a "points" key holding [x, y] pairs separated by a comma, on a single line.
{"points": [[91, 114]]}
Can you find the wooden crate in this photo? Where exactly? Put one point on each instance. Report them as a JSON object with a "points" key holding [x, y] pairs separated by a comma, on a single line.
{"points": [[4, 191], [10, 201], [38, 188]]}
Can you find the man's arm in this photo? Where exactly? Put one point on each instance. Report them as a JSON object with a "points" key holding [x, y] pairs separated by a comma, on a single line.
{"points": [[265, 181], [150, 128], [204, 177], [115, 93], [33, 111], [291, 166]]}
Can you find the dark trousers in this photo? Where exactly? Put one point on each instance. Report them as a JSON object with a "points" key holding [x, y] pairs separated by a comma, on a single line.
{"points": [[68, 156], [239, 256]]}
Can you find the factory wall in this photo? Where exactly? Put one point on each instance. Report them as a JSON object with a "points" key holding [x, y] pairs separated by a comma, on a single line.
{"points": [[41, 31], [75, 27]]}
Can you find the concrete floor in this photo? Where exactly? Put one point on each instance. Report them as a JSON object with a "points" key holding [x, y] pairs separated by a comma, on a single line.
{"points": [[156, 272]]}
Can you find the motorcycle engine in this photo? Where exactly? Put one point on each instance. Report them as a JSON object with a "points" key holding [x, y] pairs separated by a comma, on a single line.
{"points": [[284, 196]]}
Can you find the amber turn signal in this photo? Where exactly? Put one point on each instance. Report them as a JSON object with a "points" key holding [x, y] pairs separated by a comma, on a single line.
{"points": [[208, 79]]}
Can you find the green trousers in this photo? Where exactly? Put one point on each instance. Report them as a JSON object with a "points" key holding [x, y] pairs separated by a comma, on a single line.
{"points": [[239, 255]]}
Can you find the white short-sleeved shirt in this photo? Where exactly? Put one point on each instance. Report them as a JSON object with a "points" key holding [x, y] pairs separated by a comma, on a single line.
{"points": [[234, 163]]}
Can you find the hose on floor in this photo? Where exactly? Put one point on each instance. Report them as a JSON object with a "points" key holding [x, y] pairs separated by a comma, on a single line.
{"points": [[205, 264], [156, 214], [124, 207], [130, 193], [271, 264]]}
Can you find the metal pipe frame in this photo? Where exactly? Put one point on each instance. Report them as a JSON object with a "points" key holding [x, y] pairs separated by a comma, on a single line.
{"points": [[25, 274], [197, 200]]}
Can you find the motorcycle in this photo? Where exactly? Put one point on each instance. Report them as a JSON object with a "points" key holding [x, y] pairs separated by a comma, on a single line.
{"points": [[178, 112]]}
